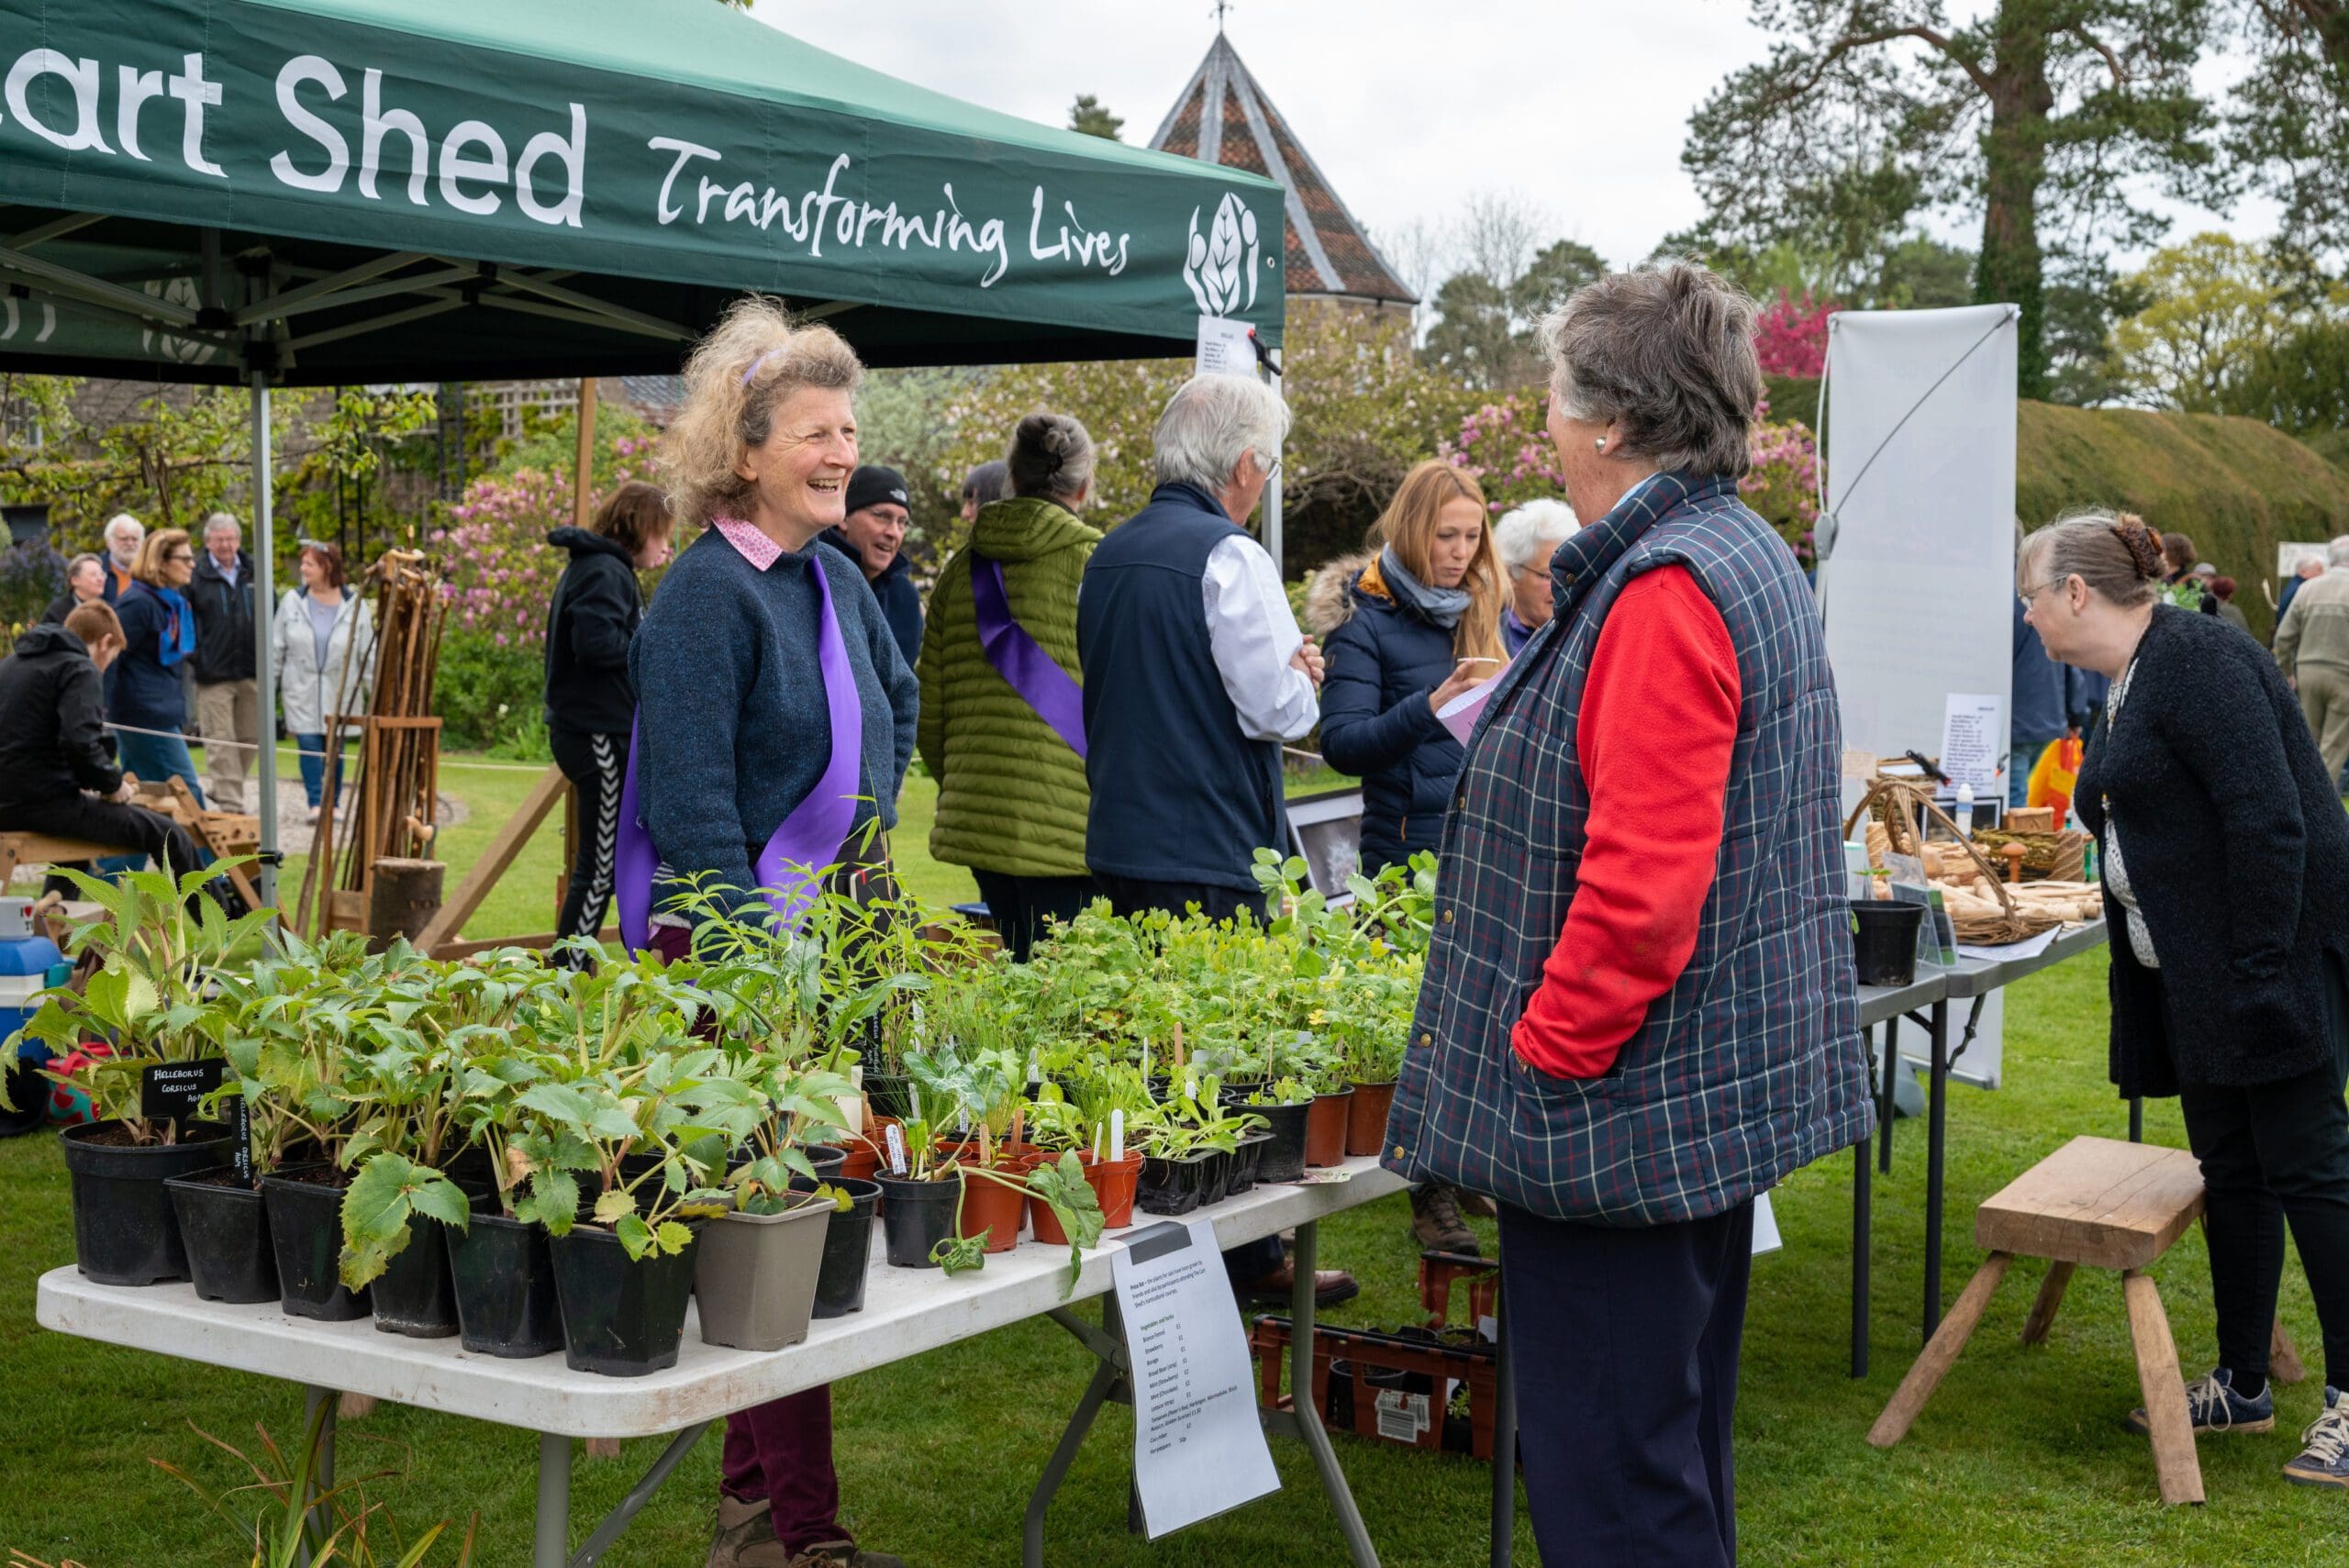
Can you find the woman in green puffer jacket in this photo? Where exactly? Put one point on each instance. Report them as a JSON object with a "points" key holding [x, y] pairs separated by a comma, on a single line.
{"points": [[1011, 792]]}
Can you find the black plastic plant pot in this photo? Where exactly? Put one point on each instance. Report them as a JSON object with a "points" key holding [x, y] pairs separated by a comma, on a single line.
{"points": [[225, 1227], [828, 1159], [305, 1231], [416, 1295], [1216, 1184], [503, 1277], [1171, 1187], [470, 1167], [889, 1094], [918, 1216], [125, 1231], [1884, 941], [1246, 1161], [1281, 1158], [621, 1317], [848, 1247]]}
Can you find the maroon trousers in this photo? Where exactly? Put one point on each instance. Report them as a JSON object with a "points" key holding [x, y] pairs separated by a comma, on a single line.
{"points": [[781, 1450]]}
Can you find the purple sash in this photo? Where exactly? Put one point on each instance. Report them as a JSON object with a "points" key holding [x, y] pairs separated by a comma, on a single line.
{"points": [[1022, 661], [807, 840]]}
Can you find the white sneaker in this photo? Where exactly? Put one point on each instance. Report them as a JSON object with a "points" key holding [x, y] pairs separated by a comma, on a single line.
{"points": [[310, 814]]}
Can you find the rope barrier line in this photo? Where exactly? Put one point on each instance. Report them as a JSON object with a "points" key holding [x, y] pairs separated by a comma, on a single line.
{"points": [[1298, 751], [533, 769]]}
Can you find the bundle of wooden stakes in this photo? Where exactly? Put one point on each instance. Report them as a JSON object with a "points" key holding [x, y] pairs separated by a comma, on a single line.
{"points": [[390, 806]]}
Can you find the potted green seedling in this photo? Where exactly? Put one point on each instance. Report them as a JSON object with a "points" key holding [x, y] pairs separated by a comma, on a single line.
{"points": [[150, 1004], [755, 1267], [623, 1258]]}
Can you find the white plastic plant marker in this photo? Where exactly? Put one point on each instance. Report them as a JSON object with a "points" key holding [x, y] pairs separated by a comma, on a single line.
{"points": [[896, 1151], [1117, 1136]]}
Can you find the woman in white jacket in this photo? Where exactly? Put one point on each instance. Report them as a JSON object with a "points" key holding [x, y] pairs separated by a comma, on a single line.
{"points": [[324, 661]]}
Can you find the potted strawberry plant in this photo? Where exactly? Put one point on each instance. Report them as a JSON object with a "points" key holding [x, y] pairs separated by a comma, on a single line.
{"points": [[158, 938]]}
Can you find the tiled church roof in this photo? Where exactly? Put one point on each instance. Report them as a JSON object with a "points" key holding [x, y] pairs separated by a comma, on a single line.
{"points": [[1224, 117]]}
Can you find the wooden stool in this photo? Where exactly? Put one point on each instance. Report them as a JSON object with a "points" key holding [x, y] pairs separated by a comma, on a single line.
{"points": [[2110, 1206]]}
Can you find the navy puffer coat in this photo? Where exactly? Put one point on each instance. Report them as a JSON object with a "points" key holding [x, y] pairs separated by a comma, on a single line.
{"points": [[1384, 657]]}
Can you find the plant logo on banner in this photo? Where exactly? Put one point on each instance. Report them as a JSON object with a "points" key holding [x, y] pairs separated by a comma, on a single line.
{"points": [[1216, 261], [166, 345]]}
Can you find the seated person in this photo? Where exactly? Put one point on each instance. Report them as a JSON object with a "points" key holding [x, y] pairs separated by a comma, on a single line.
{"points": [[54, 746]]}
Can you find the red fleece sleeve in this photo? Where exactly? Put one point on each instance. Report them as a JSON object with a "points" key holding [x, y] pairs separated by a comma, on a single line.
{"points": [[1658, 724]]}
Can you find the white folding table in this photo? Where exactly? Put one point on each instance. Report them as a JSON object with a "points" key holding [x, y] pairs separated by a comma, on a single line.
{"points": [[906, 1312]]}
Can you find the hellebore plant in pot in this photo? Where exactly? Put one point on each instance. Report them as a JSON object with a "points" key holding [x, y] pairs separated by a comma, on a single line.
{"points": [[625, 1272], [231, 1253], [755, 1268], [969, 1088], [151, 1001], [405, 1083]]}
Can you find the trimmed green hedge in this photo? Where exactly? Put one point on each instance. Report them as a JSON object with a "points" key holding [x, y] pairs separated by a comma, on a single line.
{"points": [[2236, 487]]}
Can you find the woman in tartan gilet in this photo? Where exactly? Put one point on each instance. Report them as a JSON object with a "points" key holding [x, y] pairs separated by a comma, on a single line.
{"points": [[1639, 1010]]}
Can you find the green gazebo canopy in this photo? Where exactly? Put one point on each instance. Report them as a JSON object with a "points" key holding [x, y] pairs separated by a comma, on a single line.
{"points": [[347, 191]]}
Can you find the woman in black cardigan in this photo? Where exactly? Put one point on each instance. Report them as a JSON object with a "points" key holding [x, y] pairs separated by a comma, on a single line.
{"points": [[2225, 856]]}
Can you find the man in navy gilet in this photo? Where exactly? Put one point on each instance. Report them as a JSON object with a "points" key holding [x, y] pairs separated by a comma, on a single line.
{"points": [[1195, 673]]}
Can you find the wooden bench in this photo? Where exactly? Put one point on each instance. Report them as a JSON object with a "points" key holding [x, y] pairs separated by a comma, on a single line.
{"points": [[40, 849], [2107, 1204]]}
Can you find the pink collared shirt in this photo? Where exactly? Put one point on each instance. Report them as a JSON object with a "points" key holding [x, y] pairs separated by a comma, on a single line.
{"points": [[753, 546]]}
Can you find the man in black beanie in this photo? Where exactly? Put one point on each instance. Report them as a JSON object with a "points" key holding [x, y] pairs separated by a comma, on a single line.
{"points": [[874, 536]]}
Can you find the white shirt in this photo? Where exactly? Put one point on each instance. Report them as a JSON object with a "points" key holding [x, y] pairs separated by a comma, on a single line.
{"points": [[1253, 635]]}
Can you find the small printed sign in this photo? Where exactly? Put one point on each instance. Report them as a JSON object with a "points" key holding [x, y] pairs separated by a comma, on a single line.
{"points": [[1224, 347], [172, 1090]]}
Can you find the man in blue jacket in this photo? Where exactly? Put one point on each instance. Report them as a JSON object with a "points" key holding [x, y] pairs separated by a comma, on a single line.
{"points": [[1195, 673]]}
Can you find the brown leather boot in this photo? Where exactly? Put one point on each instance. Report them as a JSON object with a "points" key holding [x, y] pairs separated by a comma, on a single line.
{"points": [[745, 1537], [1436, 1222]]}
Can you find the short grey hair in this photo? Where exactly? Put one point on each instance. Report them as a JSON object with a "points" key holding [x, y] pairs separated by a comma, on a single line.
{"points": [[78, 561], [1666, 351], [222, 520], [1534, 531], [2337, 552], [119, 519], [1210, 423]]}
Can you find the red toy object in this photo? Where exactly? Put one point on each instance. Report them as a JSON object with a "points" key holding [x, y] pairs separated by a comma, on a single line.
{"points": [[69, 1106]]}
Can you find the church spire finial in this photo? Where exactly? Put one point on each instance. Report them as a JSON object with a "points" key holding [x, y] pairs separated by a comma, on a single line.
{"points": [[1220, 7]]}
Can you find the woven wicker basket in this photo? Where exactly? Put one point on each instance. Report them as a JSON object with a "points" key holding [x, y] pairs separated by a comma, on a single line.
{"points": [[1898, 804]]}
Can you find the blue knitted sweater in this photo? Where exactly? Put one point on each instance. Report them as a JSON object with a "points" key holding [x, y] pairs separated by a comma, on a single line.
{"points": [[733, 729]]}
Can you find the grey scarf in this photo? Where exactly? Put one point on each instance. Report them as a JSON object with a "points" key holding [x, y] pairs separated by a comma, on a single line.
{"points": [[1442, 605]]}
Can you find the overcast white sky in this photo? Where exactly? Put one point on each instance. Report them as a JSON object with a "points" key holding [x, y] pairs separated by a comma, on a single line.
{"points": [[1407, 105]]}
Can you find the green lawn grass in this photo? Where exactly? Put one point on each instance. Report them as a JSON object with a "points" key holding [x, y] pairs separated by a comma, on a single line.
{"points": [[2021, 1458]]}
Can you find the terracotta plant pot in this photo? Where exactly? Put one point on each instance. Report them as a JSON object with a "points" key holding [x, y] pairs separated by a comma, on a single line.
{"points": [[1324, 1129], [1366, 1118], [1113, 1183], [992, 1207], [1113, 1188]]}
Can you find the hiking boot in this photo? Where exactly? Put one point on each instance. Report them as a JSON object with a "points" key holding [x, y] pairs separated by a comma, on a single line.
{"points": [[2324, 1447], [745, 1537], [2213, 1405], [1476, 1205], [844, 1555], [1436, 1222]]}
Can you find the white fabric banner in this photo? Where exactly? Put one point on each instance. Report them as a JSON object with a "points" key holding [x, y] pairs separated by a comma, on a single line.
{"points": [[1918, 590]]}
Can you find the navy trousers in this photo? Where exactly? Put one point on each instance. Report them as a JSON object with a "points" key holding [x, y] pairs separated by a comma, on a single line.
{"points": [[1624, 1344]]}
